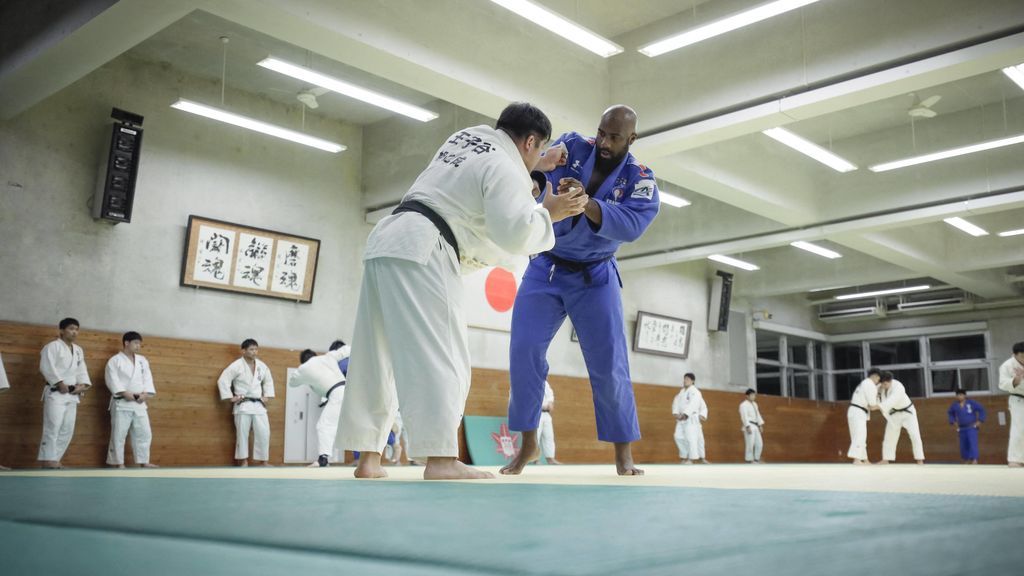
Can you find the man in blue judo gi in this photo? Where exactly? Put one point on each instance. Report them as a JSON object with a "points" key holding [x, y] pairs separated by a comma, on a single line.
{"points": [[966, 416], [579, 278]]}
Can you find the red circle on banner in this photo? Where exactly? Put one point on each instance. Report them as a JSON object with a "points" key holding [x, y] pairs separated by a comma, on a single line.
{"points": [[500, 289]]}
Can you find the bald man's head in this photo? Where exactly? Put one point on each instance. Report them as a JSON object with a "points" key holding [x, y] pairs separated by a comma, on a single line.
{"points": [[615, 134]]}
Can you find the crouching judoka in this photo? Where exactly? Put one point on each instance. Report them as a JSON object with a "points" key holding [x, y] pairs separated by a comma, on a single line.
{"points": [[62, 363], [324, 377], [131, 385], [899, 413], [751, 423], [686, 409], [248, 385], [966, 416], [862, 402]]}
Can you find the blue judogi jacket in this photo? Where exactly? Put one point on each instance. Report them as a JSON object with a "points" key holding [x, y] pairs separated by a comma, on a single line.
{"points": [[966, 415]]}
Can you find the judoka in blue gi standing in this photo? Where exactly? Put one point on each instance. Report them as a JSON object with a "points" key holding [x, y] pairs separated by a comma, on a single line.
{"points": [[966, 416], [579, 278]]}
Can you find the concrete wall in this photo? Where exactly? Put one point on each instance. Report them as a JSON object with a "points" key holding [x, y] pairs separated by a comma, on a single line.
{"points": [[59, 262]]}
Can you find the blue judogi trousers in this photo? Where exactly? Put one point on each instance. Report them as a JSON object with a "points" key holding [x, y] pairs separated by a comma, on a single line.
{"points": [[969, 443]]}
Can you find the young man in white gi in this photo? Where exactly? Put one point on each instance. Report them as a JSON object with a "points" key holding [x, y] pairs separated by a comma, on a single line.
{"points": [[62, 363], [863, 401], [752, 424], [1011, 380], [546, 431], [324, 377], [4, 386], [130, 382], [686, 409], [248, 385], [899, 413], [471, 207]]}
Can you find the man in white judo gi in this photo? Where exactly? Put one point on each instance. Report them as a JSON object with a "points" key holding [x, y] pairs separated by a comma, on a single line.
{"points": [[686, 409], [471, 207], [863, 401], [752, 425], [62, 363], [324, 377], [1011, 380], [702, 418], [546, 431], [248, 385], [899, 414], [130, 382], [4, 386]]}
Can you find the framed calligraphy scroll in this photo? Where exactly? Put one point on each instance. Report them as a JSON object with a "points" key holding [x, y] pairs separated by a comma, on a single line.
{"points": [[664, 335], [236, 258]]}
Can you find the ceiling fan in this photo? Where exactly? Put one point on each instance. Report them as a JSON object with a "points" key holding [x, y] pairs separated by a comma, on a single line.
{"points": [[923, 108]]}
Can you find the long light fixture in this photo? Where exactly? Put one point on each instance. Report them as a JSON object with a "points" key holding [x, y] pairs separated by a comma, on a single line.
{"points": [[1009, 233], [562, 26], [1016, 73], [734, 262], [814, 248], [718, 27], [883, 292], [811, 149], [256, 125], [348, 89], [980, 147], [958, 222], [672, 200]]}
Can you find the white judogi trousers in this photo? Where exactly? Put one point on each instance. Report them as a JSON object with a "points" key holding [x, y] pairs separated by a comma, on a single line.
{"points": [[894, 424], [121, 423], [1015, 447], [410, 349], [327, 424], [546, 436], [753, 443], [700, 441], [857, 420], [260, 425], [59, 414], [687, 435]]}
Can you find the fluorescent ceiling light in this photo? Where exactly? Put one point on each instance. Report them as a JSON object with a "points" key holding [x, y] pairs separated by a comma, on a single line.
{"points": [[672, 200], [1012, 233], [966, 226], [258, 126], [811, 149], [350, 90], [949, 153], [883, 292], [816, 249], [558, 24], [733, 262], [1016, 73], [727, 24]]}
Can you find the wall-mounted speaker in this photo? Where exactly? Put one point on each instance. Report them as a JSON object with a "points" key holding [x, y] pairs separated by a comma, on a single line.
{"points": [[721, 295], [115, 192]]}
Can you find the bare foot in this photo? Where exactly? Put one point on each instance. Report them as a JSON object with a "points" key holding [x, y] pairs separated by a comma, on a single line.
{"points": [[118, 466], [1016, 464], [451, 469], [148, 465], [624, 460], [861, 462], [242, 463], [881, 463], [313, 465], [554, 462], [920, 462], [266, 463], [369, 466], [527, 453], [4, 469]]}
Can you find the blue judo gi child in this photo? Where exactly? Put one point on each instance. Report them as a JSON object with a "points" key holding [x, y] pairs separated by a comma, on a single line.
{"points": [[967, 415]]}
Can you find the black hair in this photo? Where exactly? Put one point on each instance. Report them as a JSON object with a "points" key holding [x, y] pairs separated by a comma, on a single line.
{"points": [[130, 336], [305, 355], [249, 342], [1018, 347], [520, 119], [886, 376], [336, 344], [750, 391], [691, 376], [873, 372], [69, 322], [960, 391]]}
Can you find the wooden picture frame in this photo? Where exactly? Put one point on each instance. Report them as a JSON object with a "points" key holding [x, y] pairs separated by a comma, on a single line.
{"points": [[662, 335], [234, 258]]}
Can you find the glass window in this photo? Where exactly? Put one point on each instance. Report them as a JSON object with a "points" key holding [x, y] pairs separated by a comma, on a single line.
{"points": [[769, 380], [957, 348], [846, 383], [944, 381], [767, 346], [819, 361], [847, 357], [912, 379], [974, 378], [800, 385], [797, 351], [819, 387], [899, 352]]}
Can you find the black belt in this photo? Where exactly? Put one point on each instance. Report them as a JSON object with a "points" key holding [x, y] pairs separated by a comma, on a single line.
{"points": [[428, 212], [543, 410], [1017, 395], [57, 388], [754, 423], [575, 266], [861, 407], [906, 409], [247, 399], [328, 395]]}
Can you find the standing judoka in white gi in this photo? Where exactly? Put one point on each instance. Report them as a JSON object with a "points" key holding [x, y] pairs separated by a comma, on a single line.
{"points": [[546, 430], [863, 401], [62, 363], [702, 418], [4, 386], [324, 377], [752, 425], [248, 385], [471, 207], [899, 413], [130, 382], [1011, 380], [686, 409]]}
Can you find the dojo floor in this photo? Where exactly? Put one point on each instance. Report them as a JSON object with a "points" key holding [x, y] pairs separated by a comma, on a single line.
{"points": [[717, 519]]}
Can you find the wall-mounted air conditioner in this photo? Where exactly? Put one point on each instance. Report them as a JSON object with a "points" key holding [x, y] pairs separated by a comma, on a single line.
{"points": [[847, 313]]}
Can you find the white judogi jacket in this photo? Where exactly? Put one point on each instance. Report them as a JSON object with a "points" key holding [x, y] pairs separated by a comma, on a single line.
{"points": [[320, 373], [58, 363], [865, 396], [549, 395], [703, 412], [4, 384], [750, 415], [1006, 375], [688, 402], [123, 375], [238, 379], [478, 184], [895, 398]]}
